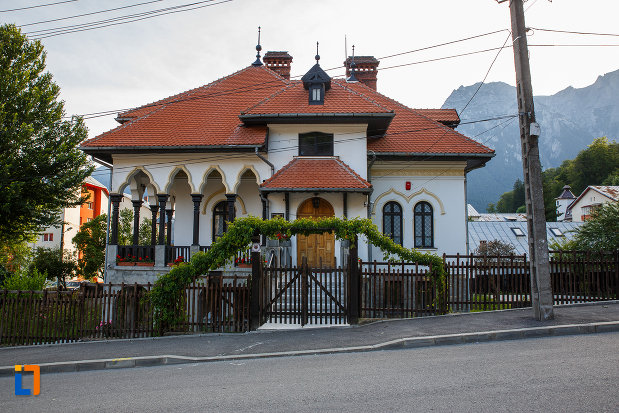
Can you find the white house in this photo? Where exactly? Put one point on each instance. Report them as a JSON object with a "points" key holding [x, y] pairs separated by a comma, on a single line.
{"points": [[592, 197], [563, 201], [258, 143]]}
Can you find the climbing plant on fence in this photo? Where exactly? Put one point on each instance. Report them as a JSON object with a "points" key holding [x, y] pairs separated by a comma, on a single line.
{"points": [[167, 292]]}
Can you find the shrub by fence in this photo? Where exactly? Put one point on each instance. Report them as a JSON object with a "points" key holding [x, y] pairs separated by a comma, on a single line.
{"points": [[118, 311]]}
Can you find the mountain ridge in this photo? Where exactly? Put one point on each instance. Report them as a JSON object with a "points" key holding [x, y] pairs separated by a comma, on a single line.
{"points": [[570, 120]]}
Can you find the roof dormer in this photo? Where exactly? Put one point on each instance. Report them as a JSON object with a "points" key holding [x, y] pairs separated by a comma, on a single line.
{"points": [[317, 82]]}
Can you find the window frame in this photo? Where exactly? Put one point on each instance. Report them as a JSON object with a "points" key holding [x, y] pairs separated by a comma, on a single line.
{"points": [[391, 216], [424, 214], [217, 213], [315, 150]]}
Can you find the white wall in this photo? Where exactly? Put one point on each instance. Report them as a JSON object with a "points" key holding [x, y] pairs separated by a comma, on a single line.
{"points": [[349, 143], [439, 184], [591, 197]]}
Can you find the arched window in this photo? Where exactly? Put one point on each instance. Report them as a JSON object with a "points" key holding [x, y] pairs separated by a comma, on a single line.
{"points": [[424, 228], [392, 221], [220, 216]]}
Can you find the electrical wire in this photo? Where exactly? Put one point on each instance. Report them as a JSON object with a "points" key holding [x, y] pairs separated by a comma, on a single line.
{"points": [[89, 14], [68, 28], [40, 5], [574, 32], [146, 15]]}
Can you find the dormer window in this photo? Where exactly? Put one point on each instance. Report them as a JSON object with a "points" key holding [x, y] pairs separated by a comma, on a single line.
{"points": [[316, 95], [316, 82]]}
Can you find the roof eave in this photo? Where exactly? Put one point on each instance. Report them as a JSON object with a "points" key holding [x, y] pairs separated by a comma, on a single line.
{"points": [[359, 190]]}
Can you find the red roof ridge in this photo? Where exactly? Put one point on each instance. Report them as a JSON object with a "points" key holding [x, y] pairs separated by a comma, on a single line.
{"points": [[288, 86], [345, 86], [355, 174]]}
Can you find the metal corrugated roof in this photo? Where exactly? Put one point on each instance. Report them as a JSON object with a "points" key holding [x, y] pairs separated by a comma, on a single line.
{"points": [[502, 231]]}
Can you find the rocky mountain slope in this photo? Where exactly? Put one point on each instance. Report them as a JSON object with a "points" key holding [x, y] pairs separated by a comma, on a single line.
{"points": [[570, 120]]}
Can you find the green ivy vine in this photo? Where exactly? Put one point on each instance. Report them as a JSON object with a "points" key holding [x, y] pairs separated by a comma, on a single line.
{"points": [[166, 295]]}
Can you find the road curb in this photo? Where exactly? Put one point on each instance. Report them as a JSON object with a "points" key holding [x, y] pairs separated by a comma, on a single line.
{"points": [[400, 343]]}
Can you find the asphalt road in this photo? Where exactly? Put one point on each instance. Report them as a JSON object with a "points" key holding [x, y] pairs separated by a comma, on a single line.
{"points": [[554, 374]]}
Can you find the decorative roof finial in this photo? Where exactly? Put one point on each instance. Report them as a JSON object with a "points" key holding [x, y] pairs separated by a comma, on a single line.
{"points": [[353, 65], [258, 62], [317, 57]]}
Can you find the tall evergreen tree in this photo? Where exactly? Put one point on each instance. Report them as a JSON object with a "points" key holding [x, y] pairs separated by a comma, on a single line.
{"points": [[41, 167]]}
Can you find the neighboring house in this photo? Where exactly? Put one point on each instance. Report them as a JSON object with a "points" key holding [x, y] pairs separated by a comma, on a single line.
{"points": [[563, 201], [515, 233], [494, 216], [258, 143], [592, 197], [74, 217]]}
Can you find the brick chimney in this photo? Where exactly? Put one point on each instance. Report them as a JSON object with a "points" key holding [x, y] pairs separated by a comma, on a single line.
{"points": [[279, 62], [365, 71]]}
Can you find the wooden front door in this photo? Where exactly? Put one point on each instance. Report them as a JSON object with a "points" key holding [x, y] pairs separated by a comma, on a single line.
{"points": [[318, 248]]}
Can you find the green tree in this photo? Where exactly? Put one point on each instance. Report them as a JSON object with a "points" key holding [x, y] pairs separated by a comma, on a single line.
{"points": [[598, 164], [42, 168], [125, 227], [145, 231], [594, 164], [59, 265], [601, 231], [90, 241]]}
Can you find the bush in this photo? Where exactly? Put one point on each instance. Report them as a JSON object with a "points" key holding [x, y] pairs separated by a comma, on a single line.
{"points": [[32, 280]]}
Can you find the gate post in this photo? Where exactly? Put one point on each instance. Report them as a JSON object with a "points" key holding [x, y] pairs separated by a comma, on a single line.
{"points": [[256, 281], [355, 291]]}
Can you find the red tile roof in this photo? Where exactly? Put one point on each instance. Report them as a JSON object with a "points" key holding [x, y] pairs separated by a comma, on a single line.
{"points": [[316, 173], [441, 115], [205, 116], [294, 99], [208, 116], [412, 132]]}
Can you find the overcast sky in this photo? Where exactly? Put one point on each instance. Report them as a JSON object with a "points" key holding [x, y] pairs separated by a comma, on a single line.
{"points": [[127, 65]]}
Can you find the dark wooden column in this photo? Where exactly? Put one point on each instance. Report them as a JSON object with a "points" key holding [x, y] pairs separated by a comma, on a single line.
{"points": [[345, 203], [136, 221], [153, 224], [197, 199], [169, 213], [115, 199], [162, 198], [287, 202], [231, 198]]}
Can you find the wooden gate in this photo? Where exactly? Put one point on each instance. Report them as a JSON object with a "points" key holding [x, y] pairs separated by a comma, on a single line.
{"points": [[304, 295]]}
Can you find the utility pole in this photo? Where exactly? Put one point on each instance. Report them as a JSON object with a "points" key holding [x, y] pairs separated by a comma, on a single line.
{"points": [[541, 288]]}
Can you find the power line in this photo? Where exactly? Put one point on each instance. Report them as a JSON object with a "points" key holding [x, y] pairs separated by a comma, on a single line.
{"points": [[89, 14], [574, 32], [487, 73], [40, 5], [251, 88], [147, 15]]}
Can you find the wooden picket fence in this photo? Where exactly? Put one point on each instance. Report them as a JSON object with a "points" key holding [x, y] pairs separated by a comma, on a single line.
{"points": [[210, 304], [482, 283], [216, 303]]}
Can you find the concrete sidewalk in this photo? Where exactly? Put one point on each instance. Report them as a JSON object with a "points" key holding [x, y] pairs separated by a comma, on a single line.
{"points": [[380, 335]]}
